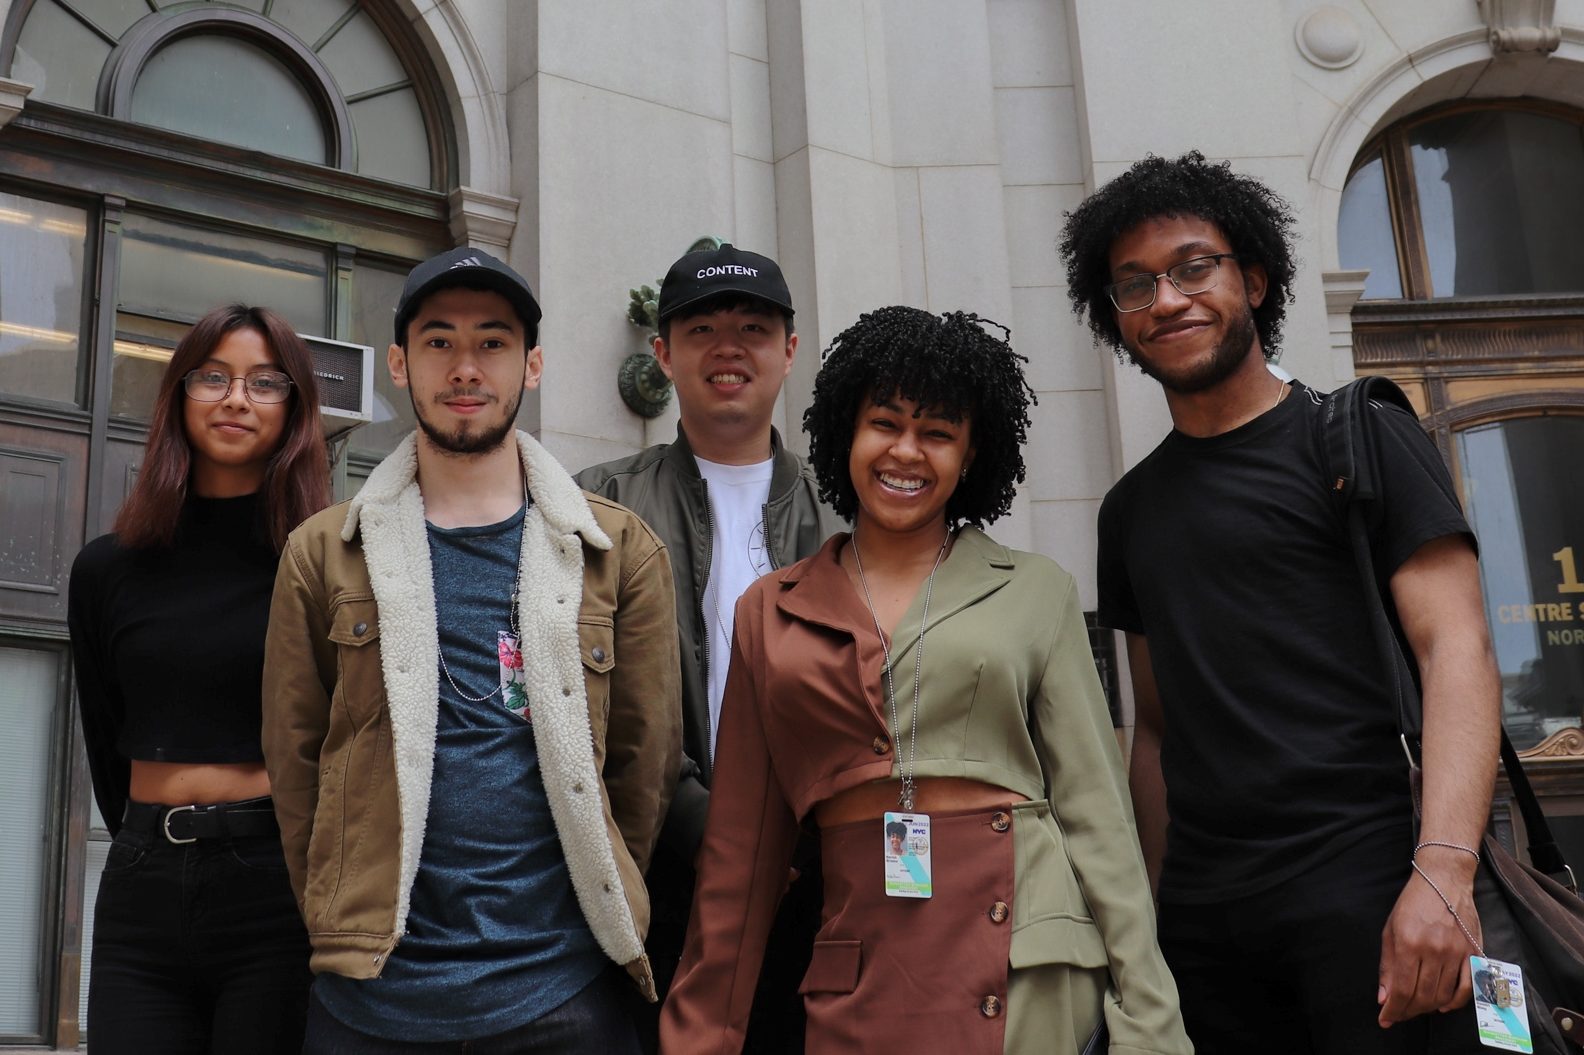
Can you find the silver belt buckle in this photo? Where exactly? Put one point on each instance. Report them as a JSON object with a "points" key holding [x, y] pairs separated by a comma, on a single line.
{"points": [[165, 824]]}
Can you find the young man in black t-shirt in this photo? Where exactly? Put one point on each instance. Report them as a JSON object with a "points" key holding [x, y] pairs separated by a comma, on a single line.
{"points": [[1290, 910]]}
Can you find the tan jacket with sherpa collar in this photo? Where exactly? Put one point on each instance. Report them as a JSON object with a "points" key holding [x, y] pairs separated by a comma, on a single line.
{"points": [[351, 687]]}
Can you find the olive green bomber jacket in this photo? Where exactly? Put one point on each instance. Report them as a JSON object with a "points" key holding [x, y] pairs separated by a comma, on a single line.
{"points": [[662, 484]]}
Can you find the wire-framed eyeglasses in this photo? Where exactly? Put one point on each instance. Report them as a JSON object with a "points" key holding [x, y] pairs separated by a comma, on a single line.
{"points": [[260, 386], [1198, 275]]}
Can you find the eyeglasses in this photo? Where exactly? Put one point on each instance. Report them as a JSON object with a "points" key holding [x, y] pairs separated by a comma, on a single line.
{"points": [[1198, 275], [260, 386]]}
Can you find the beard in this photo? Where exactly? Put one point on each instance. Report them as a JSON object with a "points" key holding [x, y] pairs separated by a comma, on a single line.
{"points": [[1225, 358], [467, 438]]}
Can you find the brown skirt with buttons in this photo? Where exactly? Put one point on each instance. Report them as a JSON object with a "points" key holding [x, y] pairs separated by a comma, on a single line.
{"points": [[914, 975]]}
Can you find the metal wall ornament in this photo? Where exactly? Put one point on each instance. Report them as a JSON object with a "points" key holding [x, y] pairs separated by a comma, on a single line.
{"points": [[643, 385]]}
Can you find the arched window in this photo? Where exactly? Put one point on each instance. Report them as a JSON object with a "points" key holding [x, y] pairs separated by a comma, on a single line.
{"points": [[1470, 202], [1470, 218], [316, 80], [171, 157], [217, 86]]}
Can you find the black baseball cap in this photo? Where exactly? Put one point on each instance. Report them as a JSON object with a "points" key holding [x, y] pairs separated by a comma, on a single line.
{"points": [[728, 269], [466, 266]]}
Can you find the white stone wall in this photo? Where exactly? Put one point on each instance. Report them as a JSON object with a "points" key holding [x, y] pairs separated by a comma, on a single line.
{"points": [[921, 152], [924, 152], [1044, 175]]}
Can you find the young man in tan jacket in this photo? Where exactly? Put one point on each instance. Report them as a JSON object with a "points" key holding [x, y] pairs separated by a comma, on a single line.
{"points": [[472, 721]]}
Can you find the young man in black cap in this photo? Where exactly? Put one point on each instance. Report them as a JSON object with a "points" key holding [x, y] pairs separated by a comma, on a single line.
{"points": [[472, 722], [731, 503]]}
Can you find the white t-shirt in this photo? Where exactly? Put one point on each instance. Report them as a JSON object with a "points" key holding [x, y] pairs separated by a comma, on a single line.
{"points": [[737, 496]]}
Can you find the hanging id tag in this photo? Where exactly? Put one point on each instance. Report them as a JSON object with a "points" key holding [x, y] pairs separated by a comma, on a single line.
{"points": [[1499, 1005], [513, 680], [907, 855]]}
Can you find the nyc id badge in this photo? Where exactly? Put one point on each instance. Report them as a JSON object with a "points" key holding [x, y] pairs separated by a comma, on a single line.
{"points": [[513, 681], [907, 855], [1499, 1005]]}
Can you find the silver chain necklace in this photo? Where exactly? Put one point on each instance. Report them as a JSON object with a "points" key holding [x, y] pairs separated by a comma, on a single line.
{"points": [[905, 795], [511, 619]]}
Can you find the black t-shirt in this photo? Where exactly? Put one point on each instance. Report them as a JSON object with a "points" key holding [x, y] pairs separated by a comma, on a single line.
{"points": [[1228, 553], [168, 645]]}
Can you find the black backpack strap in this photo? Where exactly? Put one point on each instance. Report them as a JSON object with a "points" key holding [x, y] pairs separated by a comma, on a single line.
{"points": [[1347, 442]]}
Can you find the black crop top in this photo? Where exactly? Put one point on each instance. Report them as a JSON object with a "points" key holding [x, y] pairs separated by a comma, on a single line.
{"points": [[168, 645]]}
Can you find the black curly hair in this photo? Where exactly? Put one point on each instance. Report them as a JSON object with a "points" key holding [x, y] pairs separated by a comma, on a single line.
{"points": [[947, 362], [1256, 222]]}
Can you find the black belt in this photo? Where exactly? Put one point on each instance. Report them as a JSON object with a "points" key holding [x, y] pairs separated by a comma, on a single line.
{"points": [[220, 820]]}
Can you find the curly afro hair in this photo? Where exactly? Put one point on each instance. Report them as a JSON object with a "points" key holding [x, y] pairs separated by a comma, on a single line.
{"points": [[1257, 224], [950, 362]]}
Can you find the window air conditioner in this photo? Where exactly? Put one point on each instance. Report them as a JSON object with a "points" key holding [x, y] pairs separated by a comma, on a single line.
{"points": [[345, 373]]}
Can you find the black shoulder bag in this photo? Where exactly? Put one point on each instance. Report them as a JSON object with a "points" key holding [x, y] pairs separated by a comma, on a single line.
{"points": [[1531, 916]]}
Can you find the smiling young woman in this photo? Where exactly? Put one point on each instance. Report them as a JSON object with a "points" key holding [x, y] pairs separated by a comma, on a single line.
{"points": [[198, 944], [927, 698]]}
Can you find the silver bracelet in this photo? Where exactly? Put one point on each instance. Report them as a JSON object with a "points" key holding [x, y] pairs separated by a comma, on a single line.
{"points": [[1449, 846]]}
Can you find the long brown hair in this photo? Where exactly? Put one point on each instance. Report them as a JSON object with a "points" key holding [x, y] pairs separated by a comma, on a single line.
{"points": [[297, 479]]}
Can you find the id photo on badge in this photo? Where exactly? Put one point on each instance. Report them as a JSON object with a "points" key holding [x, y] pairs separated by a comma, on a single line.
{"points": [[907, 855], [1499, 1005]]}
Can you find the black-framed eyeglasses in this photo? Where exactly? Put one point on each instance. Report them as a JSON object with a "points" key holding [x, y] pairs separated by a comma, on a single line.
{"points": [[1198, 275], [260, 386]]}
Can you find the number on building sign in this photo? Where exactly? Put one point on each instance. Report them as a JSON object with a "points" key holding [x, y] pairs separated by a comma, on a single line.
{"points": [[1570, 580]]}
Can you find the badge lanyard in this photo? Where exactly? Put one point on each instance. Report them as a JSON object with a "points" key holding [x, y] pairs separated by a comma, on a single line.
{"points": [[512, 683], [907, 872]]}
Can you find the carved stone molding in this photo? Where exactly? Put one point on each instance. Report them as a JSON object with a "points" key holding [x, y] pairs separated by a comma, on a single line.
{"points": [[1518, 26], [1343, 288], [12, 95], [1329, 37], [1564, 743], [483, 219]]}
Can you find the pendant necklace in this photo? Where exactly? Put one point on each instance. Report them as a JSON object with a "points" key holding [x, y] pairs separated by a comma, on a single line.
{"points": [[905, 794], [511, 618]]}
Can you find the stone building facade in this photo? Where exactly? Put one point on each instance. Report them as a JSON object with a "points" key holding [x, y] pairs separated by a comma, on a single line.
{"points": [[157, 158]]}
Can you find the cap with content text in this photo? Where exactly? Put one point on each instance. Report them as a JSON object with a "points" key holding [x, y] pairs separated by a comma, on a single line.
{"points": [[728, 269], [466, 266]]}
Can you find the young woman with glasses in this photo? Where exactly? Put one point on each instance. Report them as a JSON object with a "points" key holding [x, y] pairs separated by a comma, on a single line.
{"points": [[927, 697], [197, 942]]}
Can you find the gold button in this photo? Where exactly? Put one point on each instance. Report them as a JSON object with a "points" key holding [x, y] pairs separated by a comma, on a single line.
{"points": [[990, 1007], [881, 745], [999, 912], [1000, 822]]}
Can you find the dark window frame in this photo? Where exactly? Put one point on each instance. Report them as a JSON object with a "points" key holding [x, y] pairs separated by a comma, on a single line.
{"points": [[1471, 360], [138, 45], [63, 849], [161, 26], [108, 166]]}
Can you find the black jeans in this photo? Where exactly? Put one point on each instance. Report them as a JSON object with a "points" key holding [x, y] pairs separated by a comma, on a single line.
{"points": [[597, 1020], [197, 948], [1294, 969]]}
